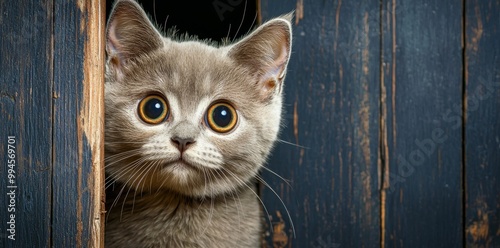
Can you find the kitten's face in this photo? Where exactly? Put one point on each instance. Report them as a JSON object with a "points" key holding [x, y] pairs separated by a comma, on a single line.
{"points": [[186, 116]]}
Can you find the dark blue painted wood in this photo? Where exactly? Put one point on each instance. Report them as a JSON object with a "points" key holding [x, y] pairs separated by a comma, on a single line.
{"points": [[26, 113], [332, 108], [482, 123], [422, 147], [72, 167]]}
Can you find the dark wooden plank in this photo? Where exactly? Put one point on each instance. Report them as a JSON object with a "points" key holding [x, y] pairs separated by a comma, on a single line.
{"points": [[332, 108], [26, 110], [482, 123], [78, 126], [422, 151]]}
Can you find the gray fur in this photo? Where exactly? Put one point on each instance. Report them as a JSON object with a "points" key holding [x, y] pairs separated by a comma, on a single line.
{"points": [[208, 199]]}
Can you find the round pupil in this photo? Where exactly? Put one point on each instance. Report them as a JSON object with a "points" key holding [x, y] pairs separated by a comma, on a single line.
{"points": [[154, 108], [222, 116]]}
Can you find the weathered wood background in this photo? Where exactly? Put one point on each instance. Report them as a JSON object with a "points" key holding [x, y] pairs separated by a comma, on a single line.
{"points": [[395, 105], [392, 112], [51, 100]]}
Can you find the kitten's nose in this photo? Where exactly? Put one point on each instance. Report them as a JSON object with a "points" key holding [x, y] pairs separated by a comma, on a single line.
{"points": [[182, 143]]}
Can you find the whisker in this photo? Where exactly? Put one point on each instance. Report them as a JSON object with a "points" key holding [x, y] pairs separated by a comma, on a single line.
{"points": [[206, 179], [165, 25], [116, 201], [123, 154], [253, 191], [162, 181], [111, 178], [210, 216], [156, 165], [124, 142], [127, 168], [242, 19], [154, 11], [149, 165], [135, 178], [229, 32], [292, 144], [254, 19], [234, 195], [276, 174], [144, 171], [286, 209]]}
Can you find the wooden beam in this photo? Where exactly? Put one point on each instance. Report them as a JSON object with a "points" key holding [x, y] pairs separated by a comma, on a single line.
{"points": [[332, 93], [26, 123], [78, 124], [482, 123], [422, 81]]}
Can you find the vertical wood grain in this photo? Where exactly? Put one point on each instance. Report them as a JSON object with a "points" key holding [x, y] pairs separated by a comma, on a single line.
{"points": [[332, 110], [51, 100], [482, 123], [422, 85], [26, 113], [93, 113], [78, 124]]}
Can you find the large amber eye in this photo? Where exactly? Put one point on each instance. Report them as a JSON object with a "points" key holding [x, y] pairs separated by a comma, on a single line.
{"points": [[153, 109], [221, 117]]}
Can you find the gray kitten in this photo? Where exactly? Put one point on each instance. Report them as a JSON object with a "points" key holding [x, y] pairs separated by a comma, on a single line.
{"points": [[188, 126]]}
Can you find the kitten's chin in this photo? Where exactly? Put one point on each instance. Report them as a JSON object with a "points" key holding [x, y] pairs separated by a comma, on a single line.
{"points": [[182, 174], [178, 165]]}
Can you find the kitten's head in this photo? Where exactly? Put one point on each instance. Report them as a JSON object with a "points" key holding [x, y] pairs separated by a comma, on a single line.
{"points": [[186, 116]]}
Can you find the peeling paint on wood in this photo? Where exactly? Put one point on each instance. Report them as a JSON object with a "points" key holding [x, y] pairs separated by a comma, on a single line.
{"points": [[476, 31], [479, 229], [299, 11], [333, 103], [280, 238], [26, 112], [93, 112], [482, 123], [78, 124]]}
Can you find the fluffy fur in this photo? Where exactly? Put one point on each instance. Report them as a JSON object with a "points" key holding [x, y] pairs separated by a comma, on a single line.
{"points": [[203, 196]]}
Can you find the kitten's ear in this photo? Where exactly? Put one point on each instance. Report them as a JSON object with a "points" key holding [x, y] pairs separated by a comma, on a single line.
{"points": [[265, 52], [129, 33]]}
